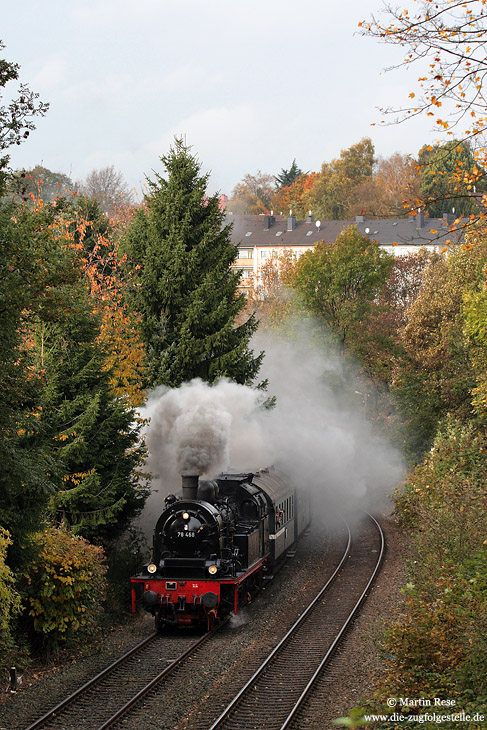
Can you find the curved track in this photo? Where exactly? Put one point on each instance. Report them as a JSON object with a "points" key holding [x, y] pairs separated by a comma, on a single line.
{"points": [[277, 690], [287, 675]]}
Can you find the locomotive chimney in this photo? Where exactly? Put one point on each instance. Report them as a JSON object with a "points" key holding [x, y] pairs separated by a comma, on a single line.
{"points": [[190, 485]]}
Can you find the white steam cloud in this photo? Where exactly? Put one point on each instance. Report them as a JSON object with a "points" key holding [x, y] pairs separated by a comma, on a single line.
{"points": [[200, 429], [317, 433]]}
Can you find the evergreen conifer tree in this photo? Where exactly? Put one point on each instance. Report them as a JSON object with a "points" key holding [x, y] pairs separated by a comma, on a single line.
{"points": [[93, 438], [287, 177], [187, 292]]}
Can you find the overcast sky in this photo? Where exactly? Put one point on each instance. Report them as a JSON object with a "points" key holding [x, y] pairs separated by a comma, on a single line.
{"points": [[251, 84]]}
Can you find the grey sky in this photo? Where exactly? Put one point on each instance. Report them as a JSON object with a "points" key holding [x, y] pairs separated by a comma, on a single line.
{"points": [[251, 84]]}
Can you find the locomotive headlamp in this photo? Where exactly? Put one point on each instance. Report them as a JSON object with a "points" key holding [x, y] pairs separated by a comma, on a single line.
{"points": [[212, 570], [185, 515], [152, 567]]}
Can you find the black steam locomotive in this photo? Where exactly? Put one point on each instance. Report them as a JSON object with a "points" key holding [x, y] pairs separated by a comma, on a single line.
{"points": [[213, 544]]}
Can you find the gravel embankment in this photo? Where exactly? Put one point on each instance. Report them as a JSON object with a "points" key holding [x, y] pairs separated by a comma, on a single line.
{"points": [[255, 631]]}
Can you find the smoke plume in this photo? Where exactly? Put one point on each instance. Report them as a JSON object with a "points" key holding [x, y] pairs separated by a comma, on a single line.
{"points": [[317, 433]]}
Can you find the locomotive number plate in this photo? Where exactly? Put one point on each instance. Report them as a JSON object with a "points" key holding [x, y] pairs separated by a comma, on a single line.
{"points": [[187, 533]]}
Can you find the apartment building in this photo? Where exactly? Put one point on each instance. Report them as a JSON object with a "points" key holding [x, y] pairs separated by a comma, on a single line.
{"points": [[261, 238]]}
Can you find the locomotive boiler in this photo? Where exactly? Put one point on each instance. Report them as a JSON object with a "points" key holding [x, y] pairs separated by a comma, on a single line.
{"points": [[214, 543]]}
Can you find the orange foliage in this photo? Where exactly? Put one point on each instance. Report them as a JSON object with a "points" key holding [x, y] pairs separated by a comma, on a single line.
{"points": [[295, 197], [446, 38], [119, 337]]}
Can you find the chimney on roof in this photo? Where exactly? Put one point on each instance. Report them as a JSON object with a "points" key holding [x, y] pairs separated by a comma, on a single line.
{"points": [[291, 221], [269, 221], [419, 219], [309, 218], [360, 218]]}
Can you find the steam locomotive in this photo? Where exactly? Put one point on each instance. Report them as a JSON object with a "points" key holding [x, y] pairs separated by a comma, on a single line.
{"points": [[214, 544]]}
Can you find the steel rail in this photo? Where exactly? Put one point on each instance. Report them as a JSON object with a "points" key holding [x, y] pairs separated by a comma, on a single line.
{"points": [[128, 705], [85, 687], [227, 711], [326, 659]]}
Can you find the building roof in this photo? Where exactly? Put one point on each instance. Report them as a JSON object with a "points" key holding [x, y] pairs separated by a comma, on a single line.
{"points": [[266, 230]]}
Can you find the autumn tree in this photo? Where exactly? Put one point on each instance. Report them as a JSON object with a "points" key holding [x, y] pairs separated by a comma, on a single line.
{"points": [[186, 292], [295, 196], [437, 375], [447, 172], [63, 430], [474, 317], [108, 187], [446, 40], [98, 238], [63, 588], [392, 190], [252, 195], [332, 189], [40, 183], [339, 281], [16, 119], [10, 604], [378, 345]]}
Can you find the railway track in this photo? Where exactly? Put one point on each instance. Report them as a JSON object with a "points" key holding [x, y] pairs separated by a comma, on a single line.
{"points": [[277, 691], [106, 698]]}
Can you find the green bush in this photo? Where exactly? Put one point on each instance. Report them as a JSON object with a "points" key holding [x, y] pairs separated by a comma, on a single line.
{"points": [[437, 645], [9, 599], [451, 476], [64, 586]]}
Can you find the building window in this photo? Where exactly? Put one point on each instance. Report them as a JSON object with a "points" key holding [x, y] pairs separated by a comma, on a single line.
{"points": [[246, 273], [245, 253], [263, 254]]}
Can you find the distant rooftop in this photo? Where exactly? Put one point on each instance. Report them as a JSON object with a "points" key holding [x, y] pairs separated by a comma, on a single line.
{"points": [[267, 230]]}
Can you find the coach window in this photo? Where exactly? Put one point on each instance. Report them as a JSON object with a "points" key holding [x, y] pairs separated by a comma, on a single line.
{"points": [[279, 516]]}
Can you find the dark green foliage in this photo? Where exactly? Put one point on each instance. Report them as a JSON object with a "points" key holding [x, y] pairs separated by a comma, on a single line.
{"points": [[338, 282], [54, 383], [36, 273], [93, 438], [9, 600], [287, 177], [436, 644], [443, 187], [186, 291]]}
